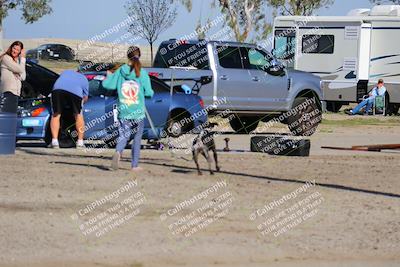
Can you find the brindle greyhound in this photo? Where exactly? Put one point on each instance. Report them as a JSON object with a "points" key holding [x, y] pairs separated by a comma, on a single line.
{"points": [[202, 144]]}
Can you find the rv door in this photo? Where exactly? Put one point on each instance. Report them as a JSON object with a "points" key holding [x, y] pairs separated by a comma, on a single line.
{"points": [[364, 56]]}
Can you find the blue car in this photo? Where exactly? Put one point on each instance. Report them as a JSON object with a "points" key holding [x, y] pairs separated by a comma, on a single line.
{"points": [[170, 114]]}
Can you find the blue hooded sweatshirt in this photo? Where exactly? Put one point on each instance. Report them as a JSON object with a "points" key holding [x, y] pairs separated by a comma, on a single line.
{"points": [[132, 91]]}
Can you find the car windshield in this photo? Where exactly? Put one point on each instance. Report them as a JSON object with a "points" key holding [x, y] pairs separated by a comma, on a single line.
{"points": [[96, 88]]}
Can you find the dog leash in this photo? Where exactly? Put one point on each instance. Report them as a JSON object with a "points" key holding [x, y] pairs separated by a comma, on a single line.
{"points": [[150, 120], [154, 129]]}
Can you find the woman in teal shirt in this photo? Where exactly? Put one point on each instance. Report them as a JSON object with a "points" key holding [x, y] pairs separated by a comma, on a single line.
{"points": [[133, 85]]}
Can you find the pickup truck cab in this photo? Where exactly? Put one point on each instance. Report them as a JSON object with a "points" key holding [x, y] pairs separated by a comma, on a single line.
{"points": [[245, 80]]}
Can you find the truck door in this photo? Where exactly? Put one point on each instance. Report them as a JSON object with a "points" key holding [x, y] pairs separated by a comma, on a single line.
{"points": [[265, 91], [232, 79]]}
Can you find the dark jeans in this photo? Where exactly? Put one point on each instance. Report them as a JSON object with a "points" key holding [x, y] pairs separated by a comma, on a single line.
{"points": [[8, 102]]}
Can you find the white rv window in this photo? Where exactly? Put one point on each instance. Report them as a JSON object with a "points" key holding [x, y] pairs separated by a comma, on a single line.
{"points": [[318, 44], [285, 44]]}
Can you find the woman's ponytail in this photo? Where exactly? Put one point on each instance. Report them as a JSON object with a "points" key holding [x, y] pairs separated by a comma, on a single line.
{"points": [[134, 58]]}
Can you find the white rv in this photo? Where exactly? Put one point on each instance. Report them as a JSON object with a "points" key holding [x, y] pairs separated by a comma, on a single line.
{"points": [[350, 53]]}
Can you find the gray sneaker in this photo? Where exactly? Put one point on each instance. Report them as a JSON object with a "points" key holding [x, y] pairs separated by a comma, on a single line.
{"points": [[54, 145], [115, 161], [80, 147]]}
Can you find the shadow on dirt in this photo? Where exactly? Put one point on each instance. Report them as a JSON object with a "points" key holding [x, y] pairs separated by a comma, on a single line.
{"points": [[326, 185], [184, 169]]}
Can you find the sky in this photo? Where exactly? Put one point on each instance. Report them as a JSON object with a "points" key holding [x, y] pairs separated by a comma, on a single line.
{"points": [[77, 19]]}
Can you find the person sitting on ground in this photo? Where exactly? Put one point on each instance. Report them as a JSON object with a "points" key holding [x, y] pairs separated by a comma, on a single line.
{"points": [[368, 102], [71, 89]]}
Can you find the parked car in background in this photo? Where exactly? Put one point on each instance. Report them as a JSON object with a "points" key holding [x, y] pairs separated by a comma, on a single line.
{"points": [[246, 80], [52, 51], [166, 111]]}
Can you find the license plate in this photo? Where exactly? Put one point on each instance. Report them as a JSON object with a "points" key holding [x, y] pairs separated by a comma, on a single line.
{"points": [[31, 123], [56, 55]]}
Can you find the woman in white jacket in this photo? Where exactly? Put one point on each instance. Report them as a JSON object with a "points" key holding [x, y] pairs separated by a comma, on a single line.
{"points": [[12, 74]]}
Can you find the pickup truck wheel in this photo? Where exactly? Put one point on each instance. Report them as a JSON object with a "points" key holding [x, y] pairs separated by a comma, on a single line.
{"points": [[179, 123], [306, 117], [175, 128], [244, 125]]}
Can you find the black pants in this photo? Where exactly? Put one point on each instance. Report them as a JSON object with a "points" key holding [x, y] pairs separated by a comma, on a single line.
{"points": [[8, 102]]}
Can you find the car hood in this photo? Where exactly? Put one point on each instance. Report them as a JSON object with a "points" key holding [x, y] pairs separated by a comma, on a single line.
{"points": [[298, 74]]}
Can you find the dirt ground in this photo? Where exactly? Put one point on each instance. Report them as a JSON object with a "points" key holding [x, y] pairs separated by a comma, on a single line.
{"points": [[352, 219]]}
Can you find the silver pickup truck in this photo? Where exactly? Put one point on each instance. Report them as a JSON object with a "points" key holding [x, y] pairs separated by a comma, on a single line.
{"points": [[244, 80]]}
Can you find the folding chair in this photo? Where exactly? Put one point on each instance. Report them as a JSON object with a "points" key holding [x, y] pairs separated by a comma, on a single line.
{"points": [[379, 106]]}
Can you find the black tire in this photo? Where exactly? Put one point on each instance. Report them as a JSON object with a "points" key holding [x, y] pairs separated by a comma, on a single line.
{"points": [[244, 125], [280, 145], [333, 106], [268, 118], [66, 138], [174, 126], [394, 109], [306, 117], [391, 108], [48, 137]]}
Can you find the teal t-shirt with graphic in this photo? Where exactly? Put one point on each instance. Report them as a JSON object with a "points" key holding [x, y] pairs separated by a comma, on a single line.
{"points": [[132, 91]]}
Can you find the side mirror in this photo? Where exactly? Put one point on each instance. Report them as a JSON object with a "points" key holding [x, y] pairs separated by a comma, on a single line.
{"points": [[276, 68]]}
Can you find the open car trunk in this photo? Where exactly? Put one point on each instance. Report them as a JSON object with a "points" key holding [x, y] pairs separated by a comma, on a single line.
{"points": [[39, 81]]}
